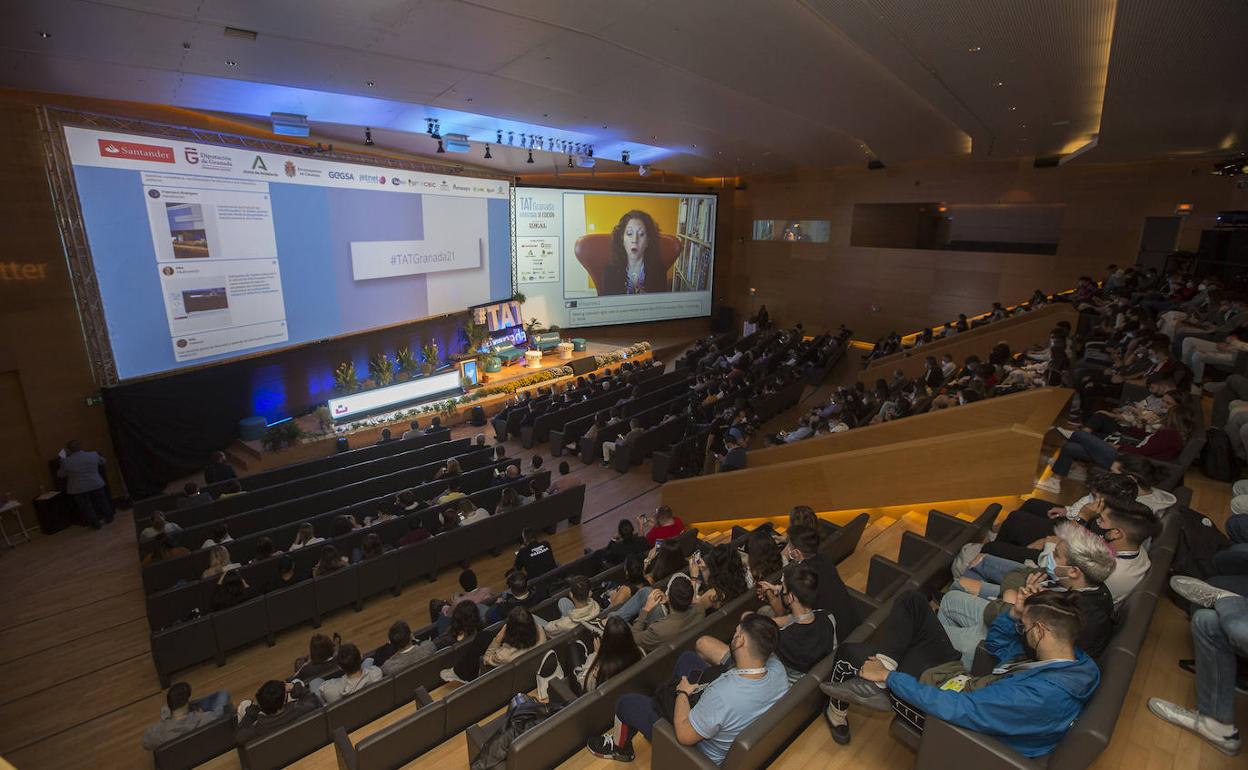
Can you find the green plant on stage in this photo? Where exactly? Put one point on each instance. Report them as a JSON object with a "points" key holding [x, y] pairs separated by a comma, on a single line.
{"points": [[429, 354], [345, 378], [381, 369], [281, 435], [518, 296], [406, 360]]}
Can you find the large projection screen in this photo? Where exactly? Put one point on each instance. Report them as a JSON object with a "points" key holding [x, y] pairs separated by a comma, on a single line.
{"points": [[593, 258], [203, 253]]}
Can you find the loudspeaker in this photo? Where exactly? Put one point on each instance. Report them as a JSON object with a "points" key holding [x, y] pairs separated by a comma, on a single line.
{"points": [[342, 444], [583, 365], [478, 416]]}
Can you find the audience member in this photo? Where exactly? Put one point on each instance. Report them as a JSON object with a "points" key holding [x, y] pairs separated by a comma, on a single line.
{"points": [[614, 651], [218, 469], [664, 525], [277, 705], [192, 496], [182, 716], [159, 527], [356, 675], [219, 562], [666, 614], [83, 472], [535, 556]]}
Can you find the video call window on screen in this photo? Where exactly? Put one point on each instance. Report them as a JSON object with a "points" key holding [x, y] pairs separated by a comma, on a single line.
{"points": [[793, 230]]}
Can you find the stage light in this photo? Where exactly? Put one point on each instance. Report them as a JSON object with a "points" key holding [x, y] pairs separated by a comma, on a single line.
{"points": [[500, 136], [590, 151], [441, 149], [429, 126], [530, 160], [370, 84], [45, 35], [488, 156], [570, 163], [511, 137], [624, 157], [368, 136], [231, 63]]}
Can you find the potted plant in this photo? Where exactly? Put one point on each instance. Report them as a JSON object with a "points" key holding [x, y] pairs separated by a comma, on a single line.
{"points": [[381, 367], [477, 337], [324, 419], [345, 378], [406, 361], [518, 296], [532, 327], [281, 435], [429, 352]]}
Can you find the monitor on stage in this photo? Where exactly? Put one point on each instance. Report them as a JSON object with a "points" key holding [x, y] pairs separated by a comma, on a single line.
{"points": [[204, 253]]}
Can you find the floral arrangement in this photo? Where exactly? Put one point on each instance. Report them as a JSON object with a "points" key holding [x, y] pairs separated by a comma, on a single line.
{"points": [[345, 378], [617, 356], [406, 360]]}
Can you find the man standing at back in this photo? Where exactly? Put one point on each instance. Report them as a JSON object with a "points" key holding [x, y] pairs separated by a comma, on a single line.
{"points": [[84, 482]]}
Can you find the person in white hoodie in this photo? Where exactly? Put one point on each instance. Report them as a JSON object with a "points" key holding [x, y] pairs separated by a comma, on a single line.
{"points": [[576, 609]]}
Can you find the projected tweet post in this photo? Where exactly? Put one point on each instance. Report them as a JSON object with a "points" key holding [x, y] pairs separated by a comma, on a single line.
{"points": [[592, 313]]}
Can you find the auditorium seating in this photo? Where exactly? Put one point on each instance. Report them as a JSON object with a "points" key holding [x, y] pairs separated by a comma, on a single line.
{"points": [[235, 509], [143, 509], [213, 636], [943, 746]]}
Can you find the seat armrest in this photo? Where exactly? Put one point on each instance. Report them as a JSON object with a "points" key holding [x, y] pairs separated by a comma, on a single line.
{"points": [[562, 688], [422, 697], [949, 747], [670, 754]]}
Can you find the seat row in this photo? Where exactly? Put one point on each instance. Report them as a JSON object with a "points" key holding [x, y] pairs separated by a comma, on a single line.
{"points": [[281, 520], [211, 637], [143, 509], [192, 593]]}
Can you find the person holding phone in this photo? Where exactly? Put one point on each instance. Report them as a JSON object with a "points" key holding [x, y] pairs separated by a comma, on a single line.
{"points": [[663, 525]]}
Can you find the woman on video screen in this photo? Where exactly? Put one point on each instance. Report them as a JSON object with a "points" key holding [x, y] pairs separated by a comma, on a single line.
{"points": [[636, 264]]}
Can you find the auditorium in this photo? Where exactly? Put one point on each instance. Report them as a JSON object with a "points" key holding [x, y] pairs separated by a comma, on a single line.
{"points": [[573, 384]]}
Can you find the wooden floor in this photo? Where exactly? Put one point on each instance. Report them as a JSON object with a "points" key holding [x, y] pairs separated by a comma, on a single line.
{"points": [[79, 685]]}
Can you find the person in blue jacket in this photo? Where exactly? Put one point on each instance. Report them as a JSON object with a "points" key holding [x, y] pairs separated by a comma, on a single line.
{"points": [[1030, 700]]}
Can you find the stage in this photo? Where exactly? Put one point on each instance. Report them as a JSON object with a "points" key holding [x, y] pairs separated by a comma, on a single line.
{"points": [[251, 457]]}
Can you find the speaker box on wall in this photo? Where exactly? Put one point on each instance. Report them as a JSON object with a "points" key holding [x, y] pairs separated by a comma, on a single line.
{"points": [[583, 365]]}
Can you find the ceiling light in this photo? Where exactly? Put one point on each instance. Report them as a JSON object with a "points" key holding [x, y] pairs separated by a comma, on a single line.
{"points": [[441, 149], [999, 83], [45, 35], [488, 156], [368, 136], [974, 49], [370, 84], [1012, 109], [231, 63], [530, 160]]}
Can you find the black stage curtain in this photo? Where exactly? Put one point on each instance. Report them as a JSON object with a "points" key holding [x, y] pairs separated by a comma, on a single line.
{"points": [[166, 429]]}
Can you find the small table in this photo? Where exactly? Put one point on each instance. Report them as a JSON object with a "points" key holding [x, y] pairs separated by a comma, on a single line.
{"points": [[533, 359], [22, 530], [565, 351]]}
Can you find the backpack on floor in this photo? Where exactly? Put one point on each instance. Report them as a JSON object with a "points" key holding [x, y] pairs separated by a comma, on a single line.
{"points": [[523, 714], [1217, 460], [1199, 540]]}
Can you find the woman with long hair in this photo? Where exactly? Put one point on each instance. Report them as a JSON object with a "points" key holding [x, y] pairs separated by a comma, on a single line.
{"points": [[519, 633], [467, 634], [719, 578], [614, 652], [763, 555], [219, 561], [636, 262], [305, 536], [330, 562]]}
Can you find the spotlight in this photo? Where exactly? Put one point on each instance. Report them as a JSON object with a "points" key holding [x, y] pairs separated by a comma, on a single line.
{"points": [[530, 160], [45, 35], [624, 157], [590, 151], [437, 129], [571, 164], [524, 140], [487, 151], [500, 136], [429, 126], [511, 137], [368, 136], [441, 149]]}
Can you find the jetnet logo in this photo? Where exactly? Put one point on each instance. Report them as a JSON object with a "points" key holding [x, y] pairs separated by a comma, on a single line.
{"points": [[111, 148]]}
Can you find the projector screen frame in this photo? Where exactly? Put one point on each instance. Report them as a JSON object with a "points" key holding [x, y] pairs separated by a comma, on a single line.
{"points": [[68, 209]]}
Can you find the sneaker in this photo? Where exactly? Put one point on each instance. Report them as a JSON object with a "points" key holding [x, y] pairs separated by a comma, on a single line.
{"points": [[1198, 591], [840, 733], [860, 691], [1195, 722], [449, 676], [603, 747], [1066, 432], [1077, 473], [1050, 484]]}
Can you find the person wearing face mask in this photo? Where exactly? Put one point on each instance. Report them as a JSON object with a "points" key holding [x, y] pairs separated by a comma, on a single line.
{"points": [[1028, 702], [831, 596], [1080, 563], [807, 634], [1165, 443], [711, 705]]}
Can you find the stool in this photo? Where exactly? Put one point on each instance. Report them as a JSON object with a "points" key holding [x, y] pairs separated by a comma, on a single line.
{"points": [[22, 530], [579, 344]]}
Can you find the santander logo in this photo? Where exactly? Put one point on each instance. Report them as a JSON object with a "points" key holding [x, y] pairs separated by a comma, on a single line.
{"points": [[111, 148]]}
